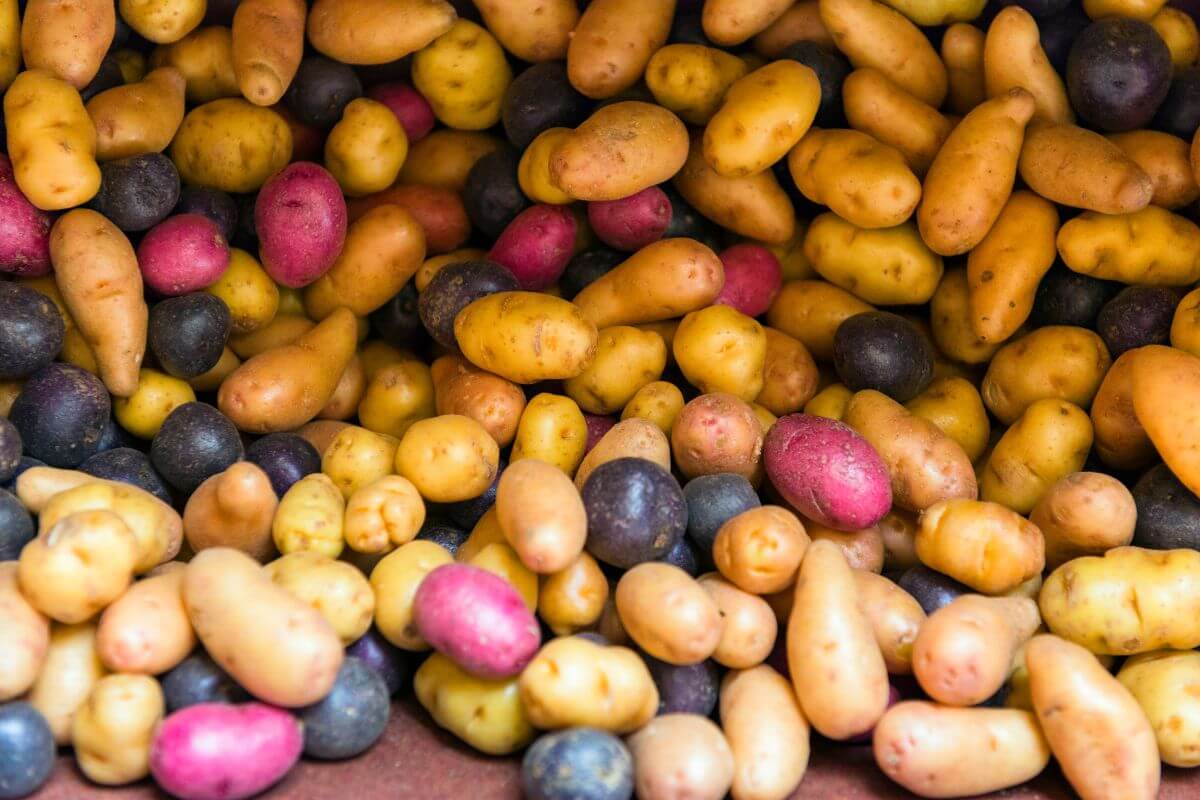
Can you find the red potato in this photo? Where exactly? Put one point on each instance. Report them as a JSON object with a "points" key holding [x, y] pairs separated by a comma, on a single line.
{"points": [[24, 229], [753, 277], [300, 217], [632, 222], [477, 619], [536, 246], [827, 471], [308, 141], [183, 254], [218, 751], [440, 212], [409, 106], [597, 426]]}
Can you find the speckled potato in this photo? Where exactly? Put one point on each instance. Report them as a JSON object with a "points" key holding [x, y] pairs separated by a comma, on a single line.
{"points": [[574, 597], [1084, 514], [877, 106], [486, 714], [613, 41], [310, 517], [448, 458], [231, 145], [67, 39], [884, 266], [1163, 380], [720, 349], [1013, 57], [267, 45], [811, 311], [552, 429], [463, 75], [1121, 441], [1057, 361], [138, 117], [626, 360], [526, 337], [113, 729], [1151, 247], [954, 406]]}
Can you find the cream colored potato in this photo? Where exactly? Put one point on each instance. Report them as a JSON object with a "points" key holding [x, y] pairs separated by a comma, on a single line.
{"points": [[1149, 247], [24, 637], [113, 729], [69, 672], [1049, 441], [895, 617], [884, 266], [630, 438], [760, 550], [748, 626], [681, 755], [146, 631], [552, 429], [395, 580], [335, 589], [311, 516], [984, 545], [767, 734], [1084, 514], [1166, 684], [486, 714]]}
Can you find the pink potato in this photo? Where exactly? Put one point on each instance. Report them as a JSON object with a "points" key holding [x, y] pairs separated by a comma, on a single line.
{"points": [[536, 246], [632, 222], [827, 471], [300, 217], [597, 426], [24, 230], [752, 278], [182, 254], [218, 751], [477, 619], [413, 110]]}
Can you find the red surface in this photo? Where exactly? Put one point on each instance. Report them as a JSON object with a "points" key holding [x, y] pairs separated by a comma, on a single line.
{"points": [[416, 761]]}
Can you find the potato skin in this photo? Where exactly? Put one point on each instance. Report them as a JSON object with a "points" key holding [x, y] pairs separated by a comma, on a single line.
{"points": [[448, 458], [1163, 381], [67, 38], [112, 730], [532, 30], [685, 630], [885, 266], [268, 43], [383, 515], [395, 580], [1084, 514], [459, 701], [895, 616], [691, 79], [681, 755], [146, 631], [335, 589], [233, 509], [463, 75], [140, 117], [955, 407], [612, 43], [630, 438], [376, 31], [766, 731], [811, 311], [231, 145], [1162, 683], [761, 549], [1013, 56], [1077, 167], [720, 349], [573, 598], [205, 58], [541, 514], [551, 429], [789, 374], [1057, 361], [1151, 247], [718, 433], [748, 626], [626, 359], [877, 106], [69, 671], [547, 338], [163, 21], [984, 545], [962, 52], [1164, 158], [24, 639], [1051, 439], [366, 148]]}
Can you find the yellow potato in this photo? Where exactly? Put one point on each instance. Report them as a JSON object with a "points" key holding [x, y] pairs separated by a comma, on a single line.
{"points": [[1049, 441], [113, 729], [731, 22], [1013, 57], [205, 58], [1058, 361], [955, 407], [67, 39], [1084, 514], [486, 714], [1163, 380], [1164, 158], [1077, 167], [895, 618], [444, 157], [139, 117], [885, 266], [463, 75], [156, 396], [1149, 247], [267, 46], [163, 21], [78, 565], [1185, 327], [395, 580], [612, 43], [376, 31], [668, 614], [659, 402], [552, 429], [880, 108], [146, 631], [541, 514], [962, 52], [543, 337], [533, 170], [397, 396], [250, 294], [982, 544], [748, 626], [532, 30], [720, 349], [691, 79], [310, 517], [231, 145], [811, 311], [574, 597], [335, 589], [767, 734], [631, 438], [356, 458], [10, 42], [448, 458], [626, 360], [383, 515], [1164, 684], [70, 670], [800, 22], [1178, 30], [1129, 9], [366, 148], [24, 637]]}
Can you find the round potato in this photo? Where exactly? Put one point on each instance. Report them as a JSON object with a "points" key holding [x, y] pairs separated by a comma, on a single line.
{"points": [[397, 396], [718, 433], [1162, 684], [448, 458], [811, 311], [984, 545], [335, 589], [1049, 441], [612, 43], [748, 626], [691, 79], [205, 58], [1057, 361], [626, 360], [887, 266], [231, 145], [463, 75], [1084, 514], [659, 402], [955, 407], [486, 714], [760, 550], [574, 597], [356, 458], [720, 349], [551, 429], [681, 755]]}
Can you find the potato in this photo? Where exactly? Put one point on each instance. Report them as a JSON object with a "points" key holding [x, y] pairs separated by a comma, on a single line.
{"points": [[962, 52], [279, 649], [205, 58], [862, 549], [939, 751], [231, 145], [972, 176], [395, 580], [863, 181], [533, 170], [268, 43], [722, 350], [143, 412], [1005, 268], [1057, 361], [1077, 167], [873, 35], [284, 328], [619, 150], [335, 589], [211, 381], [383, 249], [789, 374], [146, 631], [139, 117], [51, 141], [612, 43], [881, 108], [888, 266], [626, 359], [463, 75], [766, 731], [1049, 441], [551, 429], [526, 319], [691, 79], [811, 311], [1178, 31], [681, 755], [727, 22], [800, 22], [343, 403], [501, 560], [659, 402], [112, 730], [748, 626], [163, 22], [1131, 9], [397, 396], [1164, 158], [1084, 514], [1013, 57], [1185, 326], [895, 618], [1163, 379], [1162, 683], [836, 666], [760, 550], [486, 714], [445, 156], [70, 670], [36, 486], [1150, 247], [67, 39], [763, 115], [955, 407], [531, 30], [663, 280], [310, 516], [982, 544], [376, 31], [754, 206], [668, 614], [718, 433], [356, 458], [631, 438], [448, 458], [1096, 730], [383, 515], [365, 150], [541, 514], [233, 509], [574, 597], [24, 638]]}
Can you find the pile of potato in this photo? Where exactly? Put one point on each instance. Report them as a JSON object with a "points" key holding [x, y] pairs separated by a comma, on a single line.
{"points": [[655, 386]]}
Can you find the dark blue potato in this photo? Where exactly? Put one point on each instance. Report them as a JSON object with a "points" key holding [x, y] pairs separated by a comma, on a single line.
{"points": [[454, 288], [931, 589], [1118, 74], [389, 662], [351, 717], [61, 413], [831, 68], [713, 500], [492, 195], [187, 334], [122, 32], [688, 222], [1179, 113], [635, 511], [31, 331], [398, 322], [109, 76], [1059, 32], [540, 98], [218, 206], [586, 267], [285, 457], [130, 466], [27, 750], [883, 351], [115, 436], [16, 526], [687, 28], [1137, 316], [690, 689], [577, 764], [1068, 298], [465, 513], [197, 679], [25, 463], [448, 536], [137, 193], [1168, 515], [196, 441], [10, 450], [321, 91], [683, 555]]}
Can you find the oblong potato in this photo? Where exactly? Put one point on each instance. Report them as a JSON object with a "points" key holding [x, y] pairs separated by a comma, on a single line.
{"points": [[1058, 361], [1151, 247], [811, 311], [1084, 514], [376, 31], [541, 514], [268, 43], [612, 43], [138, 117], [1013, 56], [1163, 683], [544, 337], [1164, 382], [395, 580], [69, 671], [691, 79], [748, 625], [984, 545], [1164, 158], [1077, 167], [532, 30], [112, 731], [552, 429], [877, 106], [895, 616], [730, 22], [962, 52], [146, 631], [24, 637], [231, 145], [954, 406], [1050, 440], [67, 38], [767, 733], [205, 58], [668, 614], [884, 266], [163, 21]]}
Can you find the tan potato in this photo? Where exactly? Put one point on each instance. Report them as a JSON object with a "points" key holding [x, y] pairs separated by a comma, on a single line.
{"points": [[1058, 361], [383, 515], [800, 22], [70, 670], [1049, 441], [1178, 30], [879, 107], [1131, 9], [146, 631], [492, 401], [448, 458], [376, 31], [574, 597], [862, 549], [67, 38], [279, 649], [356, 458], [962, 53], [720, 349], [113, 729], [321, 433], [659, 402], [1150, 247], [789, 374], [346, 396], [205, 59], [767, 734], [335, 589], [955, 407], [760, 550], [486, 714], [444, 157], [542, 515], [310, 515], [231, 145], [283, 329], [163, 21], [631, 438], [984, 545], [1013, 57], [1164, 683], [899, 532], [626, 360], [1163, 381], [668, 614], [1164, 158], [397, 396], [268, 43], [1077, 167], [544, 337], [233, 509], [395, 580], [551, 429], [952, 321], [1084, 514], [1096, 730], [884, 266], [139, 117], [532, 30], [729, 22], [1185, 327], [895, 618], [613, 42], [24, 637], [748, 626], [681, 755], [36, 486], [811, 311]]}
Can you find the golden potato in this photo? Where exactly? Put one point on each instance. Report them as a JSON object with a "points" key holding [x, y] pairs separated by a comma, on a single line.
{"points": [[383, 515], [139, 117], [545, 337], [1164, 158], [1050, 440], [398, 395], [335, 589], [448, 458], [78, 565], [113, 729], [895, 617], [267, 45], [24, 638], [1058, 361], [1013, 57], [879, 107], [463, 75], [1150, 247], [1163, 381], [612, 43], [668, 614], [533, 170], [659, 402], [552, 429], [1084, 514], [760, 550], [748, 626], [366, 148], [356, 458], [146, 630], [1121, 441], [163, 21], [250, 294], [982, 544], [67, 39], [573, 598], [444, 157], [486, 714], [626, 360], [720, 349], [69, 671], [691, 79], [962, 52], [532, 30], [205, 58], [800, 22], [376, 31], [1163, 683], [885, 266], [1178, 30], [1078, 167], [955, 407], [231, 145], [811, 311], [395, 580]]}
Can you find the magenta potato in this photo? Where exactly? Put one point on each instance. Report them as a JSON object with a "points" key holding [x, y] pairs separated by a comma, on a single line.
{"points": [[182, 254], [632, 222], [300, 218], [413, 110], [24, 229], [752, 278], [536, 246]]}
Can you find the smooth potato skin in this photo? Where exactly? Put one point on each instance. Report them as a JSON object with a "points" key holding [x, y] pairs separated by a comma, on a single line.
{"points": [[691, 79], [1058, 361], [376, 31], [367, 148], [532, 30], [573, 598], [232, 509], [69, 671], [163, 21], [626, 360], [953, 404], [1050, 440], [231, 145], [138, 118], [895, 617], [205, 57], [551, 429], [463, 74], [24, 639], [883, 266], [67, 37], [458, 701], [613, 41], [766, 731], [112, 730], [668, 614], [1163, 380], [748, 626], [526, 337], [811, 311], [760, 550], [146, 631], [876, 105], [720, 349], [681, 755], [1151, 247], [10, 42], [1164, 682], [1121, 441], [729, 22], [962, 52], [1077, 167], [1164, 158], [1013, 56], [1084, 514], [268, 43], [984, 545], [630, 438], [542, 515]]}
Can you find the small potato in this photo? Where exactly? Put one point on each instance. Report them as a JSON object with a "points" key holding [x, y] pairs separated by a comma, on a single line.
{"points": [[356, 458], [395, 580], [146, 631], [463, 75], [542, 515], [337, 590], [250, 294], [885, 266], [397, 396], [445, 156], [939, 751], [895, 618], [383, 515], [626, 360], [1130, 9], [1096, 730], [760, 550], [668, 614], [691, 79], [163, 21], [717, 433], [376, 31], [574, 597], [233, 509], [811, 311], [112, 730], [544, 337], [311, 516], [613, 42], [1164, 158], [1013, 57], [492, 401], [1057, 361], [70, 670], [139, 117], [862, 549], [205, 59], [789, 374], [1084, 514], [532, 30], [37, 486], [801, 22], [748, 626], [1077, 167], [962, 52], [1163, 381], [1185, 326], [1151, 247], [681, 755], [67, 39], [867, 183], [448, 458], [231, 145], [955, 407], [880, 108], [899, 532], [282, 329], [720, 349], [486, 714], [728, 22], [767, 734], [346, 396], [533, 170], [24, 638], [268, 44], [631, 438], [1163, 683], [1178, 30], [552, 429], [984, 545], [1049, 441], [501, 560], [279, 649], [659, 402], [573, 681], [836, 666]]}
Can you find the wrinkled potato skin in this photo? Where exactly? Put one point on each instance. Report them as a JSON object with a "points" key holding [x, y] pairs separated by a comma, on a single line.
{"points": [[69, 671], [486, 714], [630, 438], [395, 580], [1013, 57], [691, 79], [337, 590], [613, 42], [1057, 361], [895, 617], [1165, 381], [573, 598], [1164, 684], [67, 38], [140, 117], [1077, 167], [1084, 514], [146, 631], [811, 311], [1049, 441], [767, 733], [383, 515], [984, 545], [760, 550], [885, 266], [376, 31], [879, 107], [955, 407], [551, 429], [668, 614], [268, 43], [113, 729], [1164, 158], [962, 52], [231, 145], [1151, 247], [626, 360], [24, 638]]}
